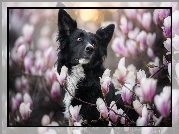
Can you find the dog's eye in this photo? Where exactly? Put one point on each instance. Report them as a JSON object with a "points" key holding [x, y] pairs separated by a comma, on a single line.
{"points": [[79, 39]]}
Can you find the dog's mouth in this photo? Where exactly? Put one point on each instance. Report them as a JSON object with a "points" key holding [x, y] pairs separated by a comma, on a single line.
{"points": [[84, 60]]}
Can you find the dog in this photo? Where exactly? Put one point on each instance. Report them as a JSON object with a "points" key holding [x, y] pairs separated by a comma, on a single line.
{"points": [[83, 53]]}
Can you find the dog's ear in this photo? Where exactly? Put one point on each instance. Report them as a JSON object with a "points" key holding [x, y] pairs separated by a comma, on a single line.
{"points": [[104, 35], [66, 25]]}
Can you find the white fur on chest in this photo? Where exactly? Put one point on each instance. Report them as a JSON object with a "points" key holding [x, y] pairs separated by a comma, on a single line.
{"points": [[77, 74]]}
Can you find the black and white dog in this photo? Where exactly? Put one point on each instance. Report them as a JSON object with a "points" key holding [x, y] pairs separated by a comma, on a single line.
{"points": [[83, 54]]}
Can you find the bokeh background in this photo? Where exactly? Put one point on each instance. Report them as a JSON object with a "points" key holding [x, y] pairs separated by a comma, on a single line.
{"points": [[41, 24]]}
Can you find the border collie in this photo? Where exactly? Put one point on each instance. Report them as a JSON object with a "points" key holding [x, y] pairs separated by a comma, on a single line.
{"points": [[83, 53]]}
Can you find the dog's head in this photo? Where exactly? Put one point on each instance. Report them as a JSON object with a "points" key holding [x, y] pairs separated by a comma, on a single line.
{"points": [[78, 46]]}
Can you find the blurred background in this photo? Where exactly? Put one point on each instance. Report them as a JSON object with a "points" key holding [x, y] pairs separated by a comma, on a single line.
{"points": [[32, 50]]}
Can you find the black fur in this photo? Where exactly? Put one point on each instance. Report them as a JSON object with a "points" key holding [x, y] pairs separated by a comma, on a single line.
{"points": [[89, 89]]}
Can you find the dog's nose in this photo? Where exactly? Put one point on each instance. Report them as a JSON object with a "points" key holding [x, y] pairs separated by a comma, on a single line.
{"points": [[89, 49]]}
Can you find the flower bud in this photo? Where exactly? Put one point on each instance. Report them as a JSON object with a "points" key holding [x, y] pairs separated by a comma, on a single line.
{"points": [[105, 81], [74, 111], [102, 108], [167, 27], [21, 51], [25, 110], [146, 20], [28, 31], [61, 78], [112, 115], [55, 91], [45, 120]]}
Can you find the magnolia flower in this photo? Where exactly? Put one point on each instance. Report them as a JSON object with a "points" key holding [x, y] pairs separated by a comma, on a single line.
{"points": [[27, 99], [118, 46], [55, 90], [131, 13], [141, 40], [165, 62], [19, 41], [143, 121], [175, 42], [121, 112], [146, 20], [175, 22], [18, 98], [21, 51], [121, 71], [74, 111], [167, 26], [163, 13], [150, 53], [133, 34], [167, 45], [151, 39], [175, 106], [28, 31], [132, 47], [18, 83], [162, 101], [102, 108], [25, 110], [112, 115], [138, 107], [148, 87], [28, 62], [125, 26], [156, 18], [154, 69], [61, 78], [127, 93], [141, 74], [45, 120], [105, 81]]}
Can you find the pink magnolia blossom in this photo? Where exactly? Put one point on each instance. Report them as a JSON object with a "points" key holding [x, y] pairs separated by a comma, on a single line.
{"points": [[150, 53], [156, 18], [133, 33], [163, 100], [151, 39], [148, 87], [146, 20], [125, 26], [175, 42], [155, 69], [132, 47], [45, 120], [141, 74], [44, 43], [74, 111], [138, 107], [121, 112], [131, 13], [163, 13], [55, 90], [167, 45], [175, 106], [127, 93], [25, 110], [28, 31], [28, 62], [105, 81], [102, 108], [141, 40], [21, 51], [19, 41], [61, 78], [18, 98], [143, 121], [167, 26], [112, 115], [27, 99], [175, 22], [118, 46], [18, 83]]}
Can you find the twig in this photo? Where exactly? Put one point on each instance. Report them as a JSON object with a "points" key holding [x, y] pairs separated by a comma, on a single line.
{"points": [[79, 99], [157, 71]]}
